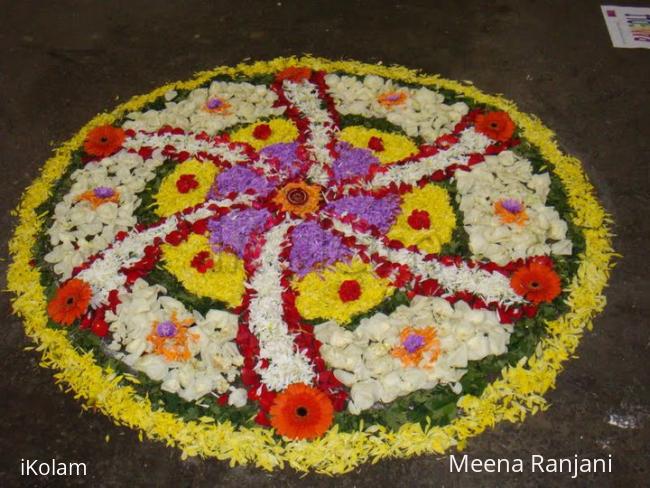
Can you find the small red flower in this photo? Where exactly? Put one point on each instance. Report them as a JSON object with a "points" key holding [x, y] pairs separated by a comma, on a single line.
{"points": [[419, 219], [262, 419], [262, 132], [99, 326], [186, 183], [203, 261], [446, 141], [175, 237], [200, 226], [349, 290], [376, 144]]}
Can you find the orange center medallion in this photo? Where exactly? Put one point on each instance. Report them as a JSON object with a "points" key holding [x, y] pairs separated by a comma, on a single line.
{"points": [[299, 198]]}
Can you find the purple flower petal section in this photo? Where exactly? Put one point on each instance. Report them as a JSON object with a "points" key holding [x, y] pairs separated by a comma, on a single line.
{"points": [[285, 153], [352, 161], [380, 212], [238, 179], [312, 245], [233, 230]]}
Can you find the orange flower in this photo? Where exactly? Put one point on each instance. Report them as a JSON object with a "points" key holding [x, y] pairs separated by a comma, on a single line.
{"points": [[392, 99], [414, 344], [170, 338], [104, 140], [293, 73], [301, 412], [536, 283], [96, 198], [496, 125], [216, 105], [298, 198], [511, 211], [70, 302]]}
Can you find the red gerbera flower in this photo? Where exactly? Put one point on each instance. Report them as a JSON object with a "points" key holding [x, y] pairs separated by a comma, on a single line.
{"points": [[294, 73], [104, 140], [70, 302], [536, 282], [496, 125], [301, 412]]}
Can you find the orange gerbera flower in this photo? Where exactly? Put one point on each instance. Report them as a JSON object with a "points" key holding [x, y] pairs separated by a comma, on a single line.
{"points": [[104, 140], [298, 198], [392, 99], [496, 125], [70, 302], [294, 73], [301, 412], [100, 196], [414, 343], [536, 283]]}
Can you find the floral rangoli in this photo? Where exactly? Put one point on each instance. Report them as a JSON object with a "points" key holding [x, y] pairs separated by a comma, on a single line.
{"points": [[310, 263]]}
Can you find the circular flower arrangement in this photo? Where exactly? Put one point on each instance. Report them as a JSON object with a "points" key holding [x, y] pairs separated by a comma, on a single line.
{"points": [[310, 262]]}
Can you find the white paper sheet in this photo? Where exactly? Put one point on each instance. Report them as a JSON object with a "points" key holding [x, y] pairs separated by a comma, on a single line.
{"points": [[628, 26]]}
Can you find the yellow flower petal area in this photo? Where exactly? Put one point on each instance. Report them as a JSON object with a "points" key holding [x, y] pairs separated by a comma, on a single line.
{"points": [[516, 394], [435, 201], [169, 200], [223, 282], [282, 130], [396, 146], [319, 292]]}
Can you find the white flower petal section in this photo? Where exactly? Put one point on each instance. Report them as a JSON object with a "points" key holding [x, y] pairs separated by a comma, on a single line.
{"points": [[214, 361], [80, 230], [508, 176], [247, 103], [305, 97], [286, 365], [362, 359], [491, 287], [424, 112]]}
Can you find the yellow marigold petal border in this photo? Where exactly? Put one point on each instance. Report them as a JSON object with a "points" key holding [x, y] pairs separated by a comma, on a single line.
{"points": [[515, 395]]}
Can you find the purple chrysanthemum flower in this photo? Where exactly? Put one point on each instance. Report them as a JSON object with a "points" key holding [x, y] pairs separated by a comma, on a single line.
{"points": [[238, 179], [166, 329], [311, 245], [233, 230], [380, 212], [413, 342], [285, 153], [352, 161], [103, 192]]}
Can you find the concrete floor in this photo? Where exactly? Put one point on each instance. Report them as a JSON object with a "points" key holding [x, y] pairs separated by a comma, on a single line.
{"points": [[62, 62]]}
